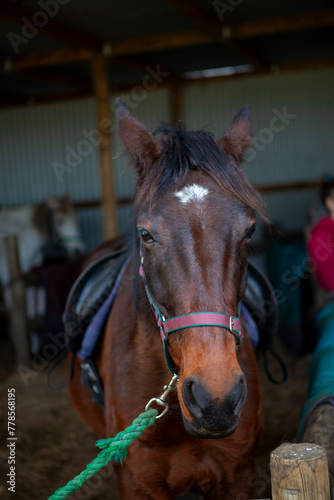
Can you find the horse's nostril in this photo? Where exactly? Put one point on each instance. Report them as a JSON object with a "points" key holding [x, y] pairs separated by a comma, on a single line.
{"points": [[192, 397], [201, 405], [240, 393]]}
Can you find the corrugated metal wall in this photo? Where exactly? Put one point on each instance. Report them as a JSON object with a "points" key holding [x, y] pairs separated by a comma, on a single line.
{"points": [[37, 142], [151, 109], [299, 147], [32, 139]]}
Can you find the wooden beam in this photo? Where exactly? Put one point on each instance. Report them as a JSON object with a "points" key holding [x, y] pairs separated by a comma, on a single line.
{"points": [[160, 42], [57, 77], [211, 24], [17, 306], [326, 62], [17, 101], [235, 31], [257, 59], [298, 66], [168, 41], [42, 20], [204, 19], [11, 101], [280, 24], [311, 64], [291, 67], [101, 91], [115, 48], [138, 64], [40, 59]]}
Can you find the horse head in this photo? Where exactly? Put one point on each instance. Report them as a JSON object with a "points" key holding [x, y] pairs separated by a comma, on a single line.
{"points": [[63, 225], [195, 214]]}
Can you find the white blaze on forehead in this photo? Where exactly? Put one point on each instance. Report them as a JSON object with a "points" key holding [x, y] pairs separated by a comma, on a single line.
{"points": [[192, 193]]}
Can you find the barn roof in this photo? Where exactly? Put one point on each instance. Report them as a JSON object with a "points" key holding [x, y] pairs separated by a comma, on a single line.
{"points": [[46, 46]]}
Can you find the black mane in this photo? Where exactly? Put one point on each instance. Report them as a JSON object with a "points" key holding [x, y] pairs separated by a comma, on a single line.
{"points": [[186, 150]]}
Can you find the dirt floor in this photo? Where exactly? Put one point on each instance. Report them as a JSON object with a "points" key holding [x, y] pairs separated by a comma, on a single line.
{"points": [[53, 445]]}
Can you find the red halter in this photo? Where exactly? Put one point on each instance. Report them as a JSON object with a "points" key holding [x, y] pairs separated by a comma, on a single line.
{"points": [[167, 326]]}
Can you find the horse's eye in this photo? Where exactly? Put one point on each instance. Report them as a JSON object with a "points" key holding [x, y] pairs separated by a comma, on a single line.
{"points": [[250, 231], [146, 236]]}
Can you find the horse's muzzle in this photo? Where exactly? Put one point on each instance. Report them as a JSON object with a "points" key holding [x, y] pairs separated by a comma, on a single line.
{"points": [[213, 418]]}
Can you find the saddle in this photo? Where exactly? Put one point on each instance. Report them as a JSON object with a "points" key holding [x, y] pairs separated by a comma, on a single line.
{"points": [[89, 293], [94, 286], [261, 303], [92, 295]]}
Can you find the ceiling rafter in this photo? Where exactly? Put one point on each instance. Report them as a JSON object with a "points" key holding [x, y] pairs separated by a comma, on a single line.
{"points": [[163, 41], [200, 16], [55, 76], [319, 63], [81, 46], [68, 36], [40, 59], [141, 65], [212, 24], [280, 24], [138, 45]]}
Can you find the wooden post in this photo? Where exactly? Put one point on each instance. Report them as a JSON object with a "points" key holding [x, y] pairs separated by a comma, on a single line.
{"points": [[101, 91], [299, 471], [17, 303], [319, 429]]}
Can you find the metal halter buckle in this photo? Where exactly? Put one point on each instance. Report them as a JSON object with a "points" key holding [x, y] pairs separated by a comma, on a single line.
{"points": [[161, 400], [231, 325]]}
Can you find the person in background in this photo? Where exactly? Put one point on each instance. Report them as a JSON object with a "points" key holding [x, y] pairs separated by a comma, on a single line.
{"points": [[320, 246], [320, 400]]}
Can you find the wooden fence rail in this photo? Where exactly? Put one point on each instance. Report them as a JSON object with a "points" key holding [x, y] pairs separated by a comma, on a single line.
{"points": [[299, 471], [17, 303]]}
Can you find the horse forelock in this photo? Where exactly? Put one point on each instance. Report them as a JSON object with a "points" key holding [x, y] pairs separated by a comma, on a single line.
{"points": [[184, 151]]}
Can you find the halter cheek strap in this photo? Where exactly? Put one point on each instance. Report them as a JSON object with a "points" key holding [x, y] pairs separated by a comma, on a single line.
{"points": [[167, 326]]}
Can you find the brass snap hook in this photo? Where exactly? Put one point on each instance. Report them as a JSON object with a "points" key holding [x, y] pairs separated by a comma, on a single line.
{"points": [[161, 400]]}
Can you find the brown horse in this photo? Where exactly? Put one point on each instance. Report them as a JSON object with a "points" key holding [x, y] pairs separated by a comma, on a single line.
{"points": [[194, 216]]}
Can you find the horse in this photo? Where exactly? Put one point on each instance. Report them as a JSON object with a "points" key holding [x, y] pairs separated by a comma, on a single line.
{"points": [[194, 215], [42, 229]]}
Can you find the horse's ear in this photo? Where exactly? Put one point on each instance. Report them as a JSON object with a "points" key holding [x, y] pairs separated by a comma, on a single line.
{"points": [[142, 147], [238, 136], [51, 203]]}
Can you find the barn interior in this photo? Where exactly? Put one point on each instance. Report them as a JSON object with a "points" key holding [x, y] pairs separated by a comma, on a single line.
{"points": [[63, 63]]}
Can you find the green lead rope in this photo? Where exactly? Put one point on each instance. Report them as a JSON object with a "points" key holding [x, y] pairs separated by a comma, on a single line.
{"points": [[115, 448]]}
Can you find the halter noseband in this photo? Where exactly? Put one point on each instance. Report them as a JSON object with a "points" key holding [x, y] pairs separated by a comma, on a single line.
{"points": [[167, 326]]}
